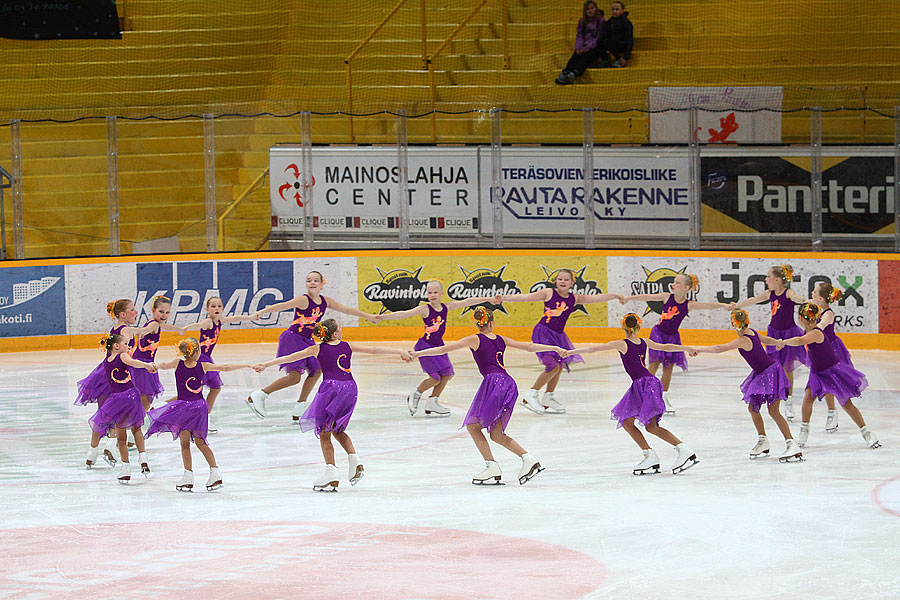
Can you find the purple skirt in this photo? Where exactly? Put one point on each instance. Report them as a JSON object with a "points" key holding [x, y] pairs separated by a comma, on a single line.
{"points": [[841, 351], [841, 380], [147, 383], [494, 402], [666, 358], [767, 387], [94, 387], [643, 401], [180, 415], [332, 407], [211, 379], [121, 409], [434, 366], [544, 335], [290, 342], [789, 357]]}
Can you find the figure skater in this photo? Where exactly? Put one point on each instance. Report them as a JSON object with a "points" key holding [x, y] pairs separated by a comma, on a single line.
{"points": [[559, 303], [145, 346], [438, 368], [308, 311], [496, 397], [823, 295], [676, 308], [643, 400], [330, 411], [187, 417], [766, 384]]}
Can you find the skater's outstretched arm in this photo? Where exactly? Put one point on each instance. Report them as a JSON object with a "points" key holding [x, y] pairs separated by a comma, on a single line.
{"points": [[706, 305], [768, 341], [404, 354], [495, 300], [618, 345], [538, 296], [670, 347], [171, 364], [224, 368], [300, 302], [206, 323], [278, 360], [470, 342], [593, 298], [349, 310], [797, 298], [826, 320], [662, 297], [532, 347], [732, 345], [138, 364], [811, 337], [763, 297], [419, 311]]}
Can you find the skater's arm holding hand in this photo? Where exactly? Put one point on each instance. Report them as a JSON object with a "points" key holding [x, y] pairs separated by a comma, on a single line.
{"points": [[404, 354], [811, 337], [349, 310], [662, 297], [138, 364], [300, 302], [278, 360], [732, 345], [668, 347], [750, 301], [618, 345], [206, 323], [419, 311], [236, 319], [470, 341], [826, 320], [532, 347], [538, 296], [225, 368], [168, 365], [797, 298], [592, 298], [473, 301], [706, 305]]}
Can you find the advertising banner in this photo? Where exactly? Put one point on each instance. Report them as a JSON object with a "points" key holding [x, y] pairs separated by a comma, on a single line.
{"points": [[356, 190], [32, 301], [771, 193], [635, 193]]}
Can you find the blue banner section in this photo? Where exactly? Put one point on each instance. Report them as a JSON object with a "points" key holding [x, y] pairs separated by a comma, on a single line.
{"points": [[32, 301]]}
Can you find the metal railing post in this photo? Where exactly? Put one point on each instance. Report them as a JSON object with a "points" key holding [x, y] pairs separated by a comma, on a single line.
{"points": [[5, 182], [403, 178], [694, 177], [112, 185], [307, 174], [496, 177], [587, 135], [15, 140], [815, 174], [209, 164]]}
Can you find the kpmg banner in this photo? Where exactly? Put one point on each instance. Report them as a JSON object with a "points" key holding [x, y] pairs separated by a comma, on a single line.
{"points": [[769, 191], [32, 301], [34, 20], [356, 190], [635, 192]]}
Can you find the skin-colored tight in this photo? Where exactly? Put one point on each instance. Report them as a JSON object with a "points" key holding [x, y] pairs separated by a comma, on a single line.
{"points": [[293, 378], [775, 413], [437, 384], [328, 448], [549, 378], [652, 428], [497, 436], [849, 408]]}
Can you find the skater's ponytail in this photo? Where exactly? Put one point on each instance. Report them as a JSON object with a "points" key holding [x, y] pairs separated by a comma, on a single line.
{"points": [[160, 300], [108, 339], [117, 306], [325, 330], [740, 319], [785, 272], [830, 293], [691, 281], [188, 347], [631, 323], [809, 311], [483, 317]]}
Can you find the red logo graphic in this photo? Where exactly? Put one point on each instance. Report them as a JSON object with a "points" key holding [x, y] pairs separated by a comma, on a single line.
{"points": [[296, 185], [776, 304], [669, 313], [728, 126]]}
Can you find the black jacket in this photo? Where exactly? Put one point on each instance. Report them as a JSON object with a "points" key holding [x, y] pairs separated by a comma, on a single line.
{"points": [[620, 32]]}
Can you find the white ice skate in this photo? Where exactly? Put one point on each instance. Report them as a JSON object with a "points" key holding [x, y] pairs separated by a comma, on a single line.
{"points": [[789, 408], [831, 423], [670, 410], [490, 475], [553, 407], [125, 473], [186, 483], [257, 403], [145, 468], [109, 458], [356, 469], [215, 479], [761, 449], [530, 467], [532, 403], [212, 426], [803, 436], [791, 452], [684, 460], [412, 402], [433, 408], [297, 412], [870, 438], [91, 457], [650, 464], [329, 480]]}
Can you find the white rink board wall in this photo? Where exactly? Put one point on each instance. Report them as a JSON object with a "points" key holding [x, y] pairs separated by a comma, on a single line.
{"points": [[356, 189], [734, 279], [636, 192], [244, 286]]}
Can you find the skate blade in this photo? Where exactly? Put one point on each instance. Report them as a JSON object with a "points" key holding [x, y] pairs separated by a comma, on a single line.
{"points": [[832, 430], [691, 461], [535, 409], [413, 407], [329, 488], [211, 487], [145, 468], [253, 408], [554, 411], [185, 488], [360, 472], [760, 455], [492, 481], [537, 468], [875, 446], [109, 458], [648, 471], [431, 413], [88, 464], [795, 458], [124, 480]]}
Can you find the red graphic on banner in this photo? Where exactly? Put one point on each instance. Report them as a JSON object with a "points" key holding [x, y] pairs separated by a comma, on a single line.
{"points": [[296, 185], [728, 124]]}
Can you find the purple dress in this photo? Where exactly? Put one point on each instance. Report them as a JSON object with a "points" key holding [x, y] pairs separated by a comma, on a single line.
{"points": [[550, 330], [95, 387], [827, 375], [767, 383], [643, 400], [666, 332], [836, 343], [147, 383], [208, 339], [122, 408], [189, 412], [782, 327], [435, 325], [496, 396], [335, 400], [298, 337]]}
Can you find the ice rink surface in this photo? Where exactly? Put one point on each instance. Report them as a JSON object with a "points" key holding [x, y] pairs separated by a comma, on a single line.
{"points": [[416, 528]]}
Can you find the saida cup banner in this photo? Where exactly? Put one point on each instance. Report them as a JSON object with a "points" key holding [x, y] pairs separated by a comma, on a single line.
{"points": [[392, 284]]}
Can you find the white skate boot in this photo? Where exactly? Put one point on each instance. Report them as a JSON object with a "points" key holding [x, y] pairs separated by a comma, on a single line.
{"points": [[145, 468], [212, 426], [257, 403], [297, 412], [530, 468], [215, 479], [761, 449], [329, 480], [186, 483], [433, 408], [870, 438], [649, 465], [670, 410], [412, 402], [91, 457], [490, 475], [831, 423], [791, 452], [553, 407], [532, 403], [803, 437], [685, 459], [125, 473], [356, 469], [789, 408]]}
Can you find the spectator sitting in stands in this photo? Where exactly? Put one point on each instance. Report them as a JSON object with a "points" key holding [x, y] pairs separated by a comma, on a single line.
{"points": [[617, 38], [587, 43]]}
